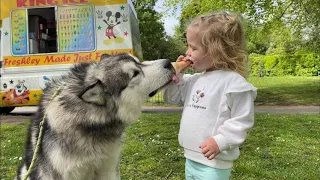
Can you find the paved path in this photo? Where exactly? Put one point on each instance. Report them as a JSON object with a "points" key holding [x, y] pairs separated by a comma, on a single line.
{"points": [[21, 114], [9, 119], [258, 109]]}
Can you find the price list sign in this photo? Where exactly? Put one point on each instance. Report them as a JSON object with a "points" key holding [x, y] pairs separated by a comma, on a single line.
{"points": [[19, 32], [76, 28]]}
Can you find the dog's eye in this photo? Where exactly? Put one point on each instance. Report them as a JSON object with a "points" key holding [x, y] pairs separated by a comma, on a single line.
{"points": [[135, 73]]}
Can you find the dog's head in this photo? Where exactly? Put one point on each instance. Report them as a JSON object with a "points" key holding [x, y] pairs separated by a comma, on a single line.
{"points": [[126, 79], [117, 86]]}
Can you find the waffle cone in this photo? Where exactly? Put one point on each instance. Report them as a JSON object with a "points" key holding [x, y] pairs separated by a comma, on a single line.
{"points": [[181, 65]]}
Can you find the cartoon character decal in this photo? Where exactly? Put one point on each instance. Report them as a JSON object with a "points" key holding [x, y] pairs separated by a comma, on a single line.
{"points": [[17, 95], [112, 21]]}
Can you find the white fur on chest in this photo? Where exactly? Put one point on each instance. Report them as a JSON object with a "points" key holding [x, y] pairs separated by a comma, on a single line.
{"points": [[100, 162]]}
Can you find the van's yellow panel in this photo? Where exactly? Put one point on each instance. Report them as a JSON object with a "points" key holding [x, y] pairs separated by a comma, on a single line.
{"points": [[59, 58], [28, 98]]}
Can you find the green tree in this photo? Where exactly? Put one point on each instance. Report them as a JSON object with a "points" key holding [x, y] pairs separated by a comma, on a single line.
{"points": [[154, 41], [172, 48], [151, 29], [265, 17]]}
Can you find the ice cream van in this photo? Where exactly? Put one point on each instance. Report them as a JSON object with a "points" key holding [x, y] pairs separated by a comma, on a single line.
{"points": [[41, 39]]}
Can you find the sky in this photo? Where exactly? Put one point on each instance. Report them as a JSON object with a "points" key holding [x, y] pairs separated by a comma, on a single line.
{"points": [[169, 22]]}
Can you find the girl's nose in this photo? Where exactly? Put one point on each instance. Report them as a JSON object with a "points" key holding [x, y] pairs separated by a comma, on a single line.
{"points": [[188, 53]]}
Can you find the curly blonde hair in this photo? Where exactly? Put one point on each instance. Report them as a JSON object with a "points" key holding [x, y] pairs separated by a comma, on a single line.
{"points": [[222, 36]]}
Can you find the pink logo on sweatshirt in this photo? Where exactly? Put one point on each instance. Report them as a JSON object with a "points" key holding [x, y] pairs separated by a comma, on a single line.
{"points": [[199, 95]]}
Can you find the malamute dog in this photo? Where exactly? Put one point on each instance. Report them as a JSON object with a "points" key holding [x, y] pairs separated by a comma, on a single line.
{"points": [[85, 122]]}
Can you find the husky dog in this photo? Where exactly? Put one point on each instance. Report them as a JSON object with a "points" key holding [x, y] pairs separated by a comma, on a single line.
{"points": [[85, 122]]}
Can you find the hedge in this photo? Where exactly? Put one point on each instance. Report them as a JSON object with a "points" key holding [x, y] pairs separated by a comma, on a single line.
{"points": [[283, 65]]}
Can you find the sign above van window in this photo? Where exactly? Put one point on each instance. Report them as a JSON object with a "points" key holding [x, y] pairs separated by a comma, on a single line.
{"points": [[28, 3], [7, 5]]}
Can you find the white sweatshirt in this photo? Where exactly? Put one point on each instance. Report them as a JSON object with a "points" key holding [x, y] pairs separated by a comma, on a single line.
{"points": [[217, 104]]}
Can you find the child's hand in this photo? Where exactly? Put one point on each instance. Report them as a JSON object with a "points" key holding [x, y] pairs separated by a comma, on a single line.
{"points": [[182, 58], [181, 64], [210, 148]]}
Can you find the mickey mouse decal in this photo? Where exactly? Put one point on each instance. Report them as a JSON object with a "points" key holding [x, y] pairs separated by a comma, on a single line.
{"points": [[112, 21]]}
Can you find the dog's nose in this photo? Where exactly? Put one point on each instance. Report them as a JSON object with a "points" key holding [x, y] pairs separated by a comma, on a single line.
{"points": [[167, 64]]}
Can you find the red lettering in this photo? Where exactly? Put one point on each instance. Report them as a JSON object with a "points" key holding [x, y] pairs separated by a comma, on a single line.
{"points": [[65, 58], [114, 52], [28, 60], [23, 61], [58, 59], [53, 2], [25, 3], [31, 2], [21, 3], [48, 59], [81, 58], [6, 62], [97, 55], [43, 2]]}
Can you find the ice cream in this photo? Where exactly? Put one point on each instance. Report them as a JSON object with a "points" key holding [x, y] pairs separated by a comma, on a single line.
{"points": [[181, 65]]}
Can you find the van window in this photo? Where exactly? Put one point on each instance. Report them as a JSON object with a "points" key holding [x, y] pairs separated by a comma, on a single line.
{"points": [[53, 29]]}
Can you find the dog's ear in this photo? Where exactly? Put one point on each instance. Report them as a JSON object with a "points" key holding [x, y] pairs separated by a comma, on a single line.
{"points": [[93, 94]]}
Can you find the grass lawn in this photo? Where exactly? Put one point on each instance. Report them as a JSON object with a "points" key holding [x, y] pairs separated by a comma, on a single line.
{"points": [[277, 91], [279, 147], [287, 90]]}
